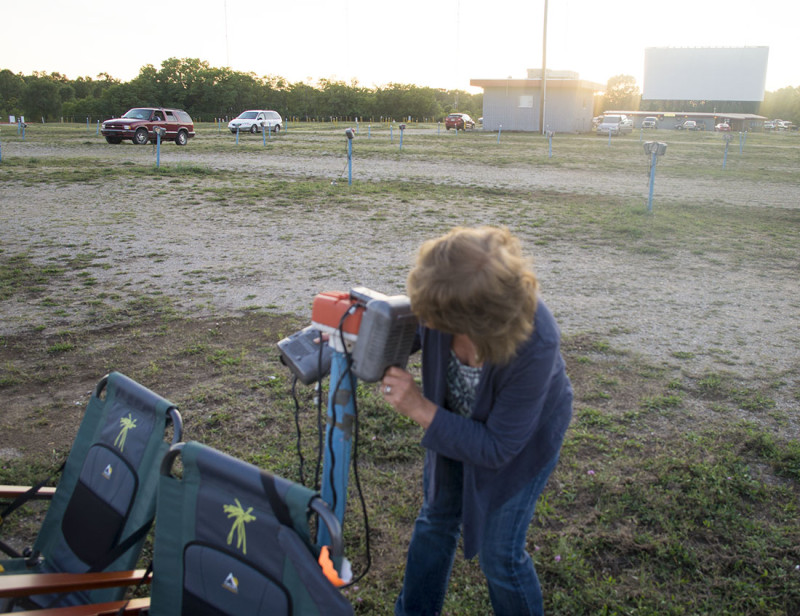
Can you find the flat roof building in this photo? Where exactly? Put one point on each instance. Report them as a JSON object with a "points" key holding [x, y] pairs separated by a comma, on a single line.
{"points": [[515, 104]]}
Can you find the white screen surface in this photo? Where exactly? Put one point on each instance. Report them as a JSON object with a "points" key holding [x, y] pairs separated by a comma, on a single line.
{"points": [[705, 73]]}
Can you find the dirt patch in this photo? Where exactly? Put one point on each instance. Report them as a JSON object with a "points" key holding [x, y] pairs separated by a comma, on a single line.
{"points": [[189, 361]]}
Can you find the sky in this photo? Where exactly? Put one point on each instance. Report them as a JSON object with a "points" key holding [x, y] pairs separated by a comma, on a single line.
{"points": [[436, 43]]}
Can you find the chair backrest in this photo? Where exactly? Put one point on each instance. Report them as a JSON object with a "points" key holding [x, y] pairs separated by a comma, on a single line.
{"points": [[107, 492], [232, 539]]}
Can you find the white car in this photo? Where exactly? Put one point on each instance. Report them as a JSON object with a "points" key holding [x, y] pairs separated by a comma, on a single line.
{"points": [[615, 125], [253, 120], [650, 122]]}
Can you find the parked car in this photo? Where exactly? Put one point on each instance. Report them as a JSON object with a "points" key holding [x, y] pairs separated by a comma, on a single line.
{"points": [[769, 125], [140, 123], [459, 121], [615, 125], [687, 125], [254, 120], [722, 126], [650, 122]]}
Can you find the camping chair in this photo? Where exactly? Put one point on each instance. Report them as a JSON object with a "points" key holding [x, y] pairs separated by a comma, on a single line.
{"points": [[231, 539], [104, 503]]}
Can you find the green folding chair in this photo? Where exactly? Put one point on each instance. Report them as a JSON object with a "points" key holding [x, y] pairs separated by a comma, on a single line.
{"points": [[232, 539], [105, 500]]}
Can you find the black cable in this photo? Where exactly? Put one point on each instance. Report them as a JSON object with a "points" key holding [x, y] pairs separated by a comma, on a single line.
{"points": [[361, 499], [297, 429], [318, 388], [356, 477], [330, 445], [318, 470]]}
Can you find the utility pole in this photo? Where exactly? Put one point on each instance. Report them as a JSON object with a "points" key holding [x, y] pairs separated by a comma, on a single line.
{"points": [[544, 72]]}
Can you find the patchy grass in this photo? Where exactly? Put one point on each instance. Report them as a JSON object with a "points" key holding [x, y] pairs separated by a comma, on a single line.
{"points": [[652, 510]]}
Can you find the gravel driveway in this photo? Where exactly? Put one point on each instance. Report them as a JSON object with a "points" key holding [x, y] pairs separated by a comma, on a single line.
{"points": [[715, 315]]}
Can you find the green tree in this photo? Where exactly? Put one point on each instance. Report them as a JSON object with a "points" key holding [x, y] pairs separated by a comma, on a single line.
{"points": [[11, 88], [622, 93], [303, 101], [41, 99]]}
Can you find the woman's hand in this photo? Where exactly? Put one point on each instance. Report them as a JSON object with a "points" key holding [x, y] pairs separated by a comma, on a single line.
{"points": [[400, 390]]}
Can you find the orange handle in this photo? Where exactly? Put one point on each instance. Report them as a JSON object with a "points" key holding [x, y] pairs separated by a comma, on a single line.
{"points": [[327, 567]]}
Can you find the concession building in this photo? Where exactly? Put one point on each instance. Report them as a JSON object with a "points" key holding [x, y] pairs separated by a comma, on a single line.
{"points": [[515, 104]]}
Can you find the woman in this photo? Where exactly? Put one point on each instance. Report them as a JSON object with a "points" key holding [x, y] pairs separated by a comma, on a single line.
{"points": [[495, 403]]}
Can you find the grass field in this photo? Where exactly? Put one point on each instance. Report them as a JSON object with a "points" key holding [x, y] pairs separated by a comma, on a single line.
{"points": [[677, 490]]}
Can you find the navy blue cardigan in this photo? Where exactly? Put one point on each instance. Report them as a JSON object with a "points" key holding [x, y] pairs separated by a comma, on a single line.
{"points": [[521, 413]]}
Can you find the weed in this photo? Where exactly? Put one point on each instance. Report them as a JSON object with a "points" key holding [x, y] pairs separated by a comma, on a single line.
{"points": [[60, 347], [661, 402]]}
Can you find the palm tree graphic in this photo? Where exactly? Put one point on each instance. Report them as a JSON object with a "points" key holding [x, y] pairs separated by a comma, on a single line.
{"points": [[127, 423], [240, 518]]}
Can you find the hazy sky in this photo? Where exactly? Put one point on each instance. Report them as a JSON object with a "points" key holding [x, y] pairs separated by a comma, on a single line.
{"points": [[438, 43]]}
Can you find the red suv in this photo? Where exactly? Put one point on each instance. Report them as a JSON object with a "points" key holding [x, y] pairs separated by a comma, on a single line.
{"points": [[140, 125], [459, 121]]}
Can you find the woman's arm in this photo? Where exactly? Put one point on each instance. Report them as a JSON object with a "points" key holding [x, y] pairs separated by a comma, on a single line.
{"points": [[400, 390]]}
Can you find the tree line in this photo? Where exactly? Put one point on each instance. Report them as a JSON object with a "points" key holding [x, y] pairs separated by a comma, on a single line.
{"points": [[208, 93]]}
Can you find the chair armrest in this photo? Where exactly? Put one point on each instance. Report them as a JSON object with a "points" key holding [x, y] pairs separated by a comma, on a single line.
{"points": [[15, 491], [133, 608], [25, 584]]}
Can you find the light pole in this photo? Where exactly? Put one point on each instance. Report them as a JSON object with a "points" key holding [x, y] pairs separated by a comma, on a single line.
{"points": [[544, 72]]}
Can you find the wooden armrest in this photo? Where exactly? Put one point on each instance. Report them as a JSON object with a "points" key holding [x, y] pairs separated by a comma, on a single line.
{"points": [[111, 608], [24, 584], [45, 492]]}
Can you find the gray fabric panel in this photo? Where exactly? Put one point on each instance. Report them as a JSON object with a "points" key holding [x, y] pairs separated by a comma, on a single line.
{"points": [[109, 478], [222, 470], [230, 585], [255, 539]]}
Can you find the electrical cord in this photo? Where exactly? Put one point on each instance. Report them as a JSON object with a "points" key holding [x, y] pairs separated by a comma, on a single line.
{"points": [[318, 388], [356, 477], [298, 432]]}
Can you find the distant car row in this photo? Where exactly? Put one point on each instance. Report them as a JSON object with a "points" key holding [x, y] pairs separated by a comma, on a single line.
{"points": [[620, 124], [144, 124], [779, 125]]}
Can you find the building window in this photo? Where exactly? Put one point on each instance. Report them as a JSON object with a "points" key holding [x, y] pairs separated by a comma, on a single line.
{"points": [[526, 102]]}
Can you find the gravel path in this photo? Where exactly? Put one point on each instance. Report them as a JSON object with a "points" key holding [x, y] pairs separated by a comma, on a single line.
{"points": [[736, 318]]}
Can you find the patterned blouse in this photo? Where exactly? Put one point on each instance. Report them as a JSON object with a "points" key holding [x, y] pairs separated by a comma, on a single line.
{"points": [[462, 383]]}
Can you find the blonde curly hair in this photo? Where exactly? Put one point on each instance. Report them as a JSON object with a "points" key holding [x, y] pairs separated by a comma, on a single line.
{"points": [[476, 281]]}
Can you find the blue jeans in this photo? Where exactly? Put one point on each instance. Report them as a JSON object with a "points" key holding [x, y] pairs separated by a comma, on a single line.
{"points": [[513, 585]]}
